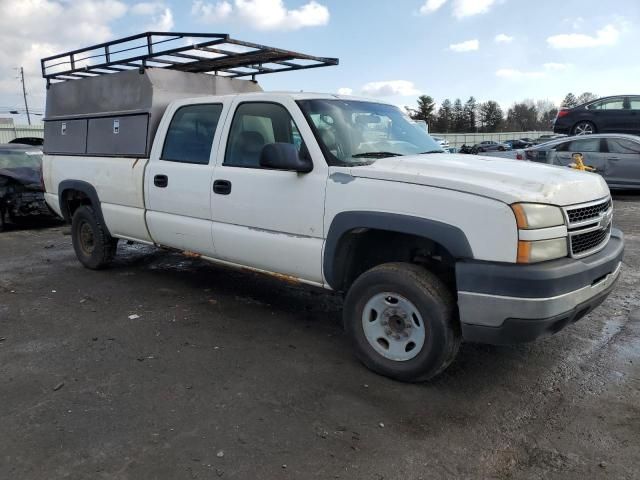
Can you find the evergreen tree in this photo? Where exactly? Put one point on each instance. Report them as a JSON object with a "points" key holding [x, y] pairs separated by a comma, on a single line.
{"points": [[458, 116], [491, 116], [425, 111], [470, 115], [522, 116], [444, 120]]}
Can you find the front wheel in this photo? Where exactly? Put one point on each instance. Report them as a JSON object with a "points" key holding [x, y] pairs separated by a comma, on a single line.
{"points": [[93, 245], [401, 321], [584, 128]]}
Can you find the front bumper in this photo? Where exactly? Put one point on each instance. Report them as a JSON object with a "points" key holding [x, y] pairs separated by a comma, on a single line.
{"points": [[503, 304]]}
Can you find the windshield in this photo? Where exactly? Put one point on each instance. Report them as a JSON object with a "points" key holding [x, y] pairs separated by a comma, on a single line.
{"points": [[11, 158], [356, 132]]}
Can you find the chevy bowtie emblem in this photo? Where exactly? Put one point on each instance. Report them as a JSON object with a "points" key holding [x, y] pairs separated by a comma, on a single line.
{"points": [[605, 219]]}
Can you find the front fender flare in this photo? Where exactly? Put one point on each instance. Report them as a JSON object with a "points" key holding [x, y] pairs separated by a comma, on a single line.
{"points": [[450, 237]]}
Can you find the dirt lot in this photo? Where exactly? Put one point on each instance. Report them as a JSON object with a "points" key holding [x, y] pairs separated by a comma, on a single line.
{"points": [[222, 374]]}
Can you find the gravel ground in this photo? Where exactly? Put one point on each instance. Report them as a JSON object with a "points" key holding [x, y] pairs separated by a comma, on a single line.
{"points": [[168, 367]]}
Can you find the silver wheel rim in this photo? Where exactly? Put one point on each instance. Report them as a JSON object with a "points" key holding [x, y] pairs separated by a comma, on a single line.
{"points": [[393, 326], [584, 129]]}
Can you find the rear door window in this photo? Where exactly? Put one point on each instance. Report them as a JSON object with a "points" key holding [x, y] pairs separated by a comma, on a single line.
{"points": [[623, 146], [190, 135], [609, 104], [634, 103]]}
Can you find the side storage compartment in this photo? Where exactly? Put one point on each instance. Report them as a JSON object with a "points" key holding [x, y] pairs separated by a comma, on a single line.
{"points": [[118, 135], [65, 136]]}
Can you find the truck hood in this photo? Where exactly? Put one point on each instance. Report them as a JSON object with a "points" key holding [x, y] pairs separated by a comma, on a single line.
{"points": [[502, 179]]}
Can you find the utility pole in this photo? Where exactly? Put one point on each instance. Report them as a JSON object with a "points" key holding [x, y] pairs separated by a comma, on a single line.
{"points": [[24, 93]]}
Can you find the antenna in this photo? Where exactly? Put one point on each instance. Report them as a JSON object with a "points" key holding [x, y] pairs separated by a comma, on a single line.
{"points": [[24, 93]]}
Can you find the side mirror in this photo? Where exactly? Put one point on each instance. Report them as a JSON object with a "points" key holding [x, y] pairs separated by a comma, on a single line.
{"points": [[284, 156]]}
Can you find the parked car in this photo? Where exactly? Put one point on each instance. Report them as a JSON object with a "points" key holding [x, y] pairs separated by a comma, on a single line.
{"points": [[547, 138], [33, 141], [617, 114], [490, 146], [339, 193], [444, 143], [21, 189], [614, 156], [518, 143]]}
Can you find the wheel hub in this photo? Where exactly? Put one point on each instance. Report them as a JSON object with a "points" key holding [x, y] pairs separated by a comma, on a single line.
{"points": [[396, 323], [393, 326], [87, 241]]}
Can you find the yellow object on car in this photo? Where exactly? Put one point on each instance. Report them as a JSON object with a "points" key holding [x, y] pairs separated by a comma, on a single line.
{"points": [[578, 163]]}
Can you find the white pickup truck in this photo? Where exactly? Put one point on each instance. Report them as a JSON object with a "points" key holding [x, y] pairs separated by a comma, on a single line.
{"points": [[345, 194]]}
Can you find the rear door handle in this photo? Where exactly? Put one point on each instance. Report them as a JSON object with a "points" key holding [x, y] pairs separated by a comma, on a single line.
{"points": [[615, 159], [222, 187], [161, 181]]}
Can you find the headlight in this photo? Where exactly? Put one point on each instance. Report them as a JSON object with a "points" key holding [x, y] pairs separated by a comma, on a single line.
{"points": [[542, 250], [535, 215]]}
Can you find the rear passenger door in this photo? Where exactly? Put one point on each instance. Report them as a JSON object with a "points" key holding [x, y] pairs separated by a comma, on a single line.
{"points": [[623, 162], [263, 218], [609, 115], [178, 179]]}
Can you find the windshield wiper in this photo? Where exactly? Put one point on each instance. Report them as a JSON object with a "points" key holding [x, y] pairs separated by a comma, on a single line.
{"points": [[376, 155], [431, 151]]}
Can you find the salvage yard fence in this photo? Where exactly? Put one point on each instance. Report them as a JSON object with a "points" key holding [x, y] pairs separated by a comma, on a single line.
{"points": [[8, 131], [456, 140]]}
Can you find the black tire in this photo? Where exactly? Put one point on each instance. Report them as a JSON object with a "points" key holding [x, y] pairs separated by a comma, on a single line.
{"points": [[94, 247], [584, 128], [436, 305]]}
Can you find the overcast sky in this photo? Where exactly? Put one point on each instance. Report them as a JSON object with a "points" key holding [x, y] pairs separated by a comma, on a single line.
{"points": [[506, 50]]}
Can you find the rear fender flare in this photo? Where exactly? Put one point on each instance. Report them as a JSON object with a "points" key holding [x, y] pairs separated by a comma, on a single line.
{"points": [[86, 188]]}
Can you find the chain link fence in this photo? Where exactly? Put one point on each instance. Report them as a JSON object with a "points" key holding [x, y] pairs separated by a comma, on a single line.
{"points": [[456, 140]]}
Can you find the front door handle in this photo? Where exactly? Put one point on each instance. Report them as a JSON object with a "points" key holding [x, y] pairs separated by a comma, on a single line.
{"points": [[222, 187], [615, 159], [161, 181]]}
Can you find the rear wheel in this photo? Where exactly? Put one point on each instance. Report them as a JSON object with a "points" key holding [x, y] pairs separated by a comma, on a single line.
{"points": [[401, 321], [583, 128], [94, 247]]}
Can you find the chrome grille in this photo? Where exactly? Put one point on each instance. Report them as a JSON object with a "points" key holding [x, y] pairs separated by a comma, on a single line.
{"points": [[585, 242], [582, 214], [589, 227]]}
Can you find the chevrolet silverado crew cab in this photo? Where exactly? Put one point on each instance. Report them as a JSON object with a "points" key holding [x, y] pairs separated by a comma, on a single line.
{"points": [[338, 192]]}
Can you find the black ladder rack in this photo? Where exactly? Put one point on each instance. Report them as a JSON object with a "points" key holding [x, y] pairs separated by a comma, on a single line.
{"points": [[188, 52]]}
